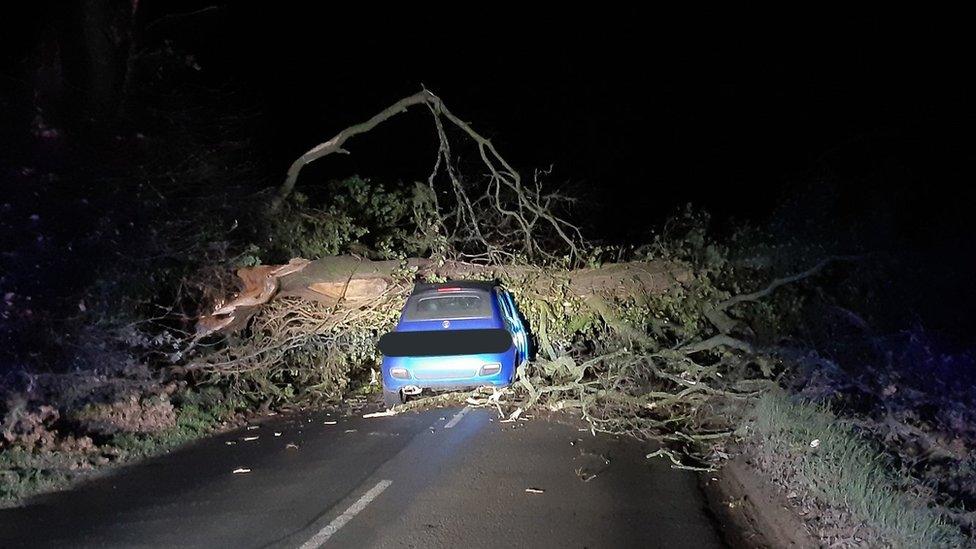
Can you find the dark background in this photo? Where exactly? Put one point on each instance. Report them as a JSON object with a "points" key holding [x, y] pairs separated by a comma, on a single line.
{"points": [[835, 125], [643, 109]]}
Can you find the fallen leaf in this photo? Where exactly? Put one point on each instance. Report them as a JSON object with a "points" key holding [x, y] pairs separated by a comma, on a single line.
{"points": [[387, 413]]}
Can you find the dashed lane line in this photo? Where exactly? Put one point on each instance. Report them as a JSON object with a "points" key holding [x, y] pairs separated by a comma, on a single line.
{"points": [[330, 529], [457, 417]]}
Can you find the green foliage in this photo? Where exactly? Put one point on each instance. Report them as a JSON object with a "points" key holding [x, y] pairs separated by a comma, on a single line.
{"points": [[353, 215], [24, 472], [685, 237], [198, 412]]}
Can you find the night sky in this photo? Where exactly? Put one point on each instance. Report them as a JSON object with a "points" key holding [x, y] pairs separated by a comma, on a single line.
{"points": [[642, 110], [639, 110]]}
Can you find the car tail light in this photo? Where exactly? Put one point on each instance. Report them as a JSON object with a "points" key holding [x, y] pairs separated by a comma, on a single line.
{"points": [[400, 373], [491, 368], [451, 289]]}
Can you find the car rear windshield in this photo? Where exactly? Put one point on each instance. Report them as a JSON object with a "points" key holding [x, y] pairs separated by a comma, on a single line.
{"points": [[442, 307]]}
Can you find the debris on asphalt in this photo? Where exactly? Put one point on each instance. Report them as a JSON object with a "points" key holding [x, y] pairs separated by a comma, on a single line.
{"points": [[350, 430], [230, 442], [253, 427], [385, 413], [535, 490], [584, 453], [584, 475], [329, 422], [291, 446], [676, 462], [277, 434], [241, 470], [249, 439]]}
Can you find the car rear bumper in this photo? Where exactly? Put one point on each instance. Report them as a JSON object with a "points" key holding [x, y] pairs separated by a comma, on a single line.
{"points": [[449, 372]]}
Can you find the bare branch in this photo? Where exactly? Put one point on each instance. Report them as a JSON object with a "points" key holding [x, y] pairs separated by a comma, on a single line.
{"points": [[513, 211], [724, 323], [335, 144]]}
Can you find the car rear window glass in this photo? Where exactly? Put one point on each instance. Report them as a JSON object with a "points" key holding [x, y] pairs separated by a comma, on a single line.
{"points": [[440, 307]]}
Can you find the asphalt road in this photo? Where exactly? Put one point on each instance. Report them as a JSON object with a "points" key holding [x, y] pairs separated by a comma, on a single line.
{"points": [[447, 477]]}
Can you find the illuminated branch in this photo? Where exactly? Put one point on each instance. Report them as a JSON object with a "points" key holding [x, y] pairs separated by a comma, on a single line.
{"points": [[479, 220], [720, 319]]}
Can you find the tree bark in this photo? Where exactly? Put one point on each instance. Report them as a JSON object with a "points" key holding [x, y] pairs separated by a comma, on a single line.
{"points": [[352, 280]]}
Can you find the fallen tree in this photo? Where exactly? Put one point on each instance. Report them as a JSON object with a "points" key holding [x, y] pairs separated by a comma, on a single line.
{"points": [[670, 340], [340, 305], [630, 346], [650, 347], [649, 341]]}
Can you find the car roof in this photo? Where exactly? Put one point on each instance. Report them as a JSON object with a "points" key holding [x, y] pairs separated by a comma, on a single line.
{"points": [[482, 285]]}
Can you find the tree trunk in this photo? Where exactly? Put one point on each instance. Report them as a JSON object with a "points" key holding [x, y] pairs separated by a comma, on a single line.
{"points": [[352, 280]]}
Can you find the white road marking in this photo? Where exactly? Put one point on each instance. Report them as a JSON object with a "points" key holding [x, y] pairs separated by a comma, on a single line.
{"points": [[457, 417], [330, 529]]}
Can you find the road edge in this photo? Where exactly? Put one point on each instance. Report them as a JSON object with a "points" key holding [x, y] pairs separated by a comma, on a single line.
{"points": [[750, 511]]}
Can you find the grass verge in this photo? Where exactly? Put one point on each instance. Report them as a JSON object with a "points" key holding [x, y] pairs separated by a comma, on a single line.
{"points": [[26, 471], [827, 467]]}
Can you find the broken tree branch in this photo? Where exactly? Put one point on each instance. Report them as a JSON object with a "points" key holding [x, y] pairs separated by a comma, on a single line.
{"points": [[335, 144], [772, 286], [718, 316], [515, 214]]}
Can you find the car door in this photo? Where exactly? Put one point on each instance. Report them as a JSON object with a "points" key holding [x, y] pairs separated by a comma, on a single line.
{"points": [[519, 334], [507, 319]]}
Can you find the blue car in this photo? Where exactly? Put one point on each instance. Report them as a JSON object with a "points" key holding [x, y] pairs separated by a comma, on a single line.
{"points": [[455, 335]]}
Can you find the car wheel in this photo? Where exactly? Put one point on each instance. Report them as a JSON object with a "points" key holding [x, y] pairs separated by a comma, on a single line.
{"points": [[392, 398]]}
